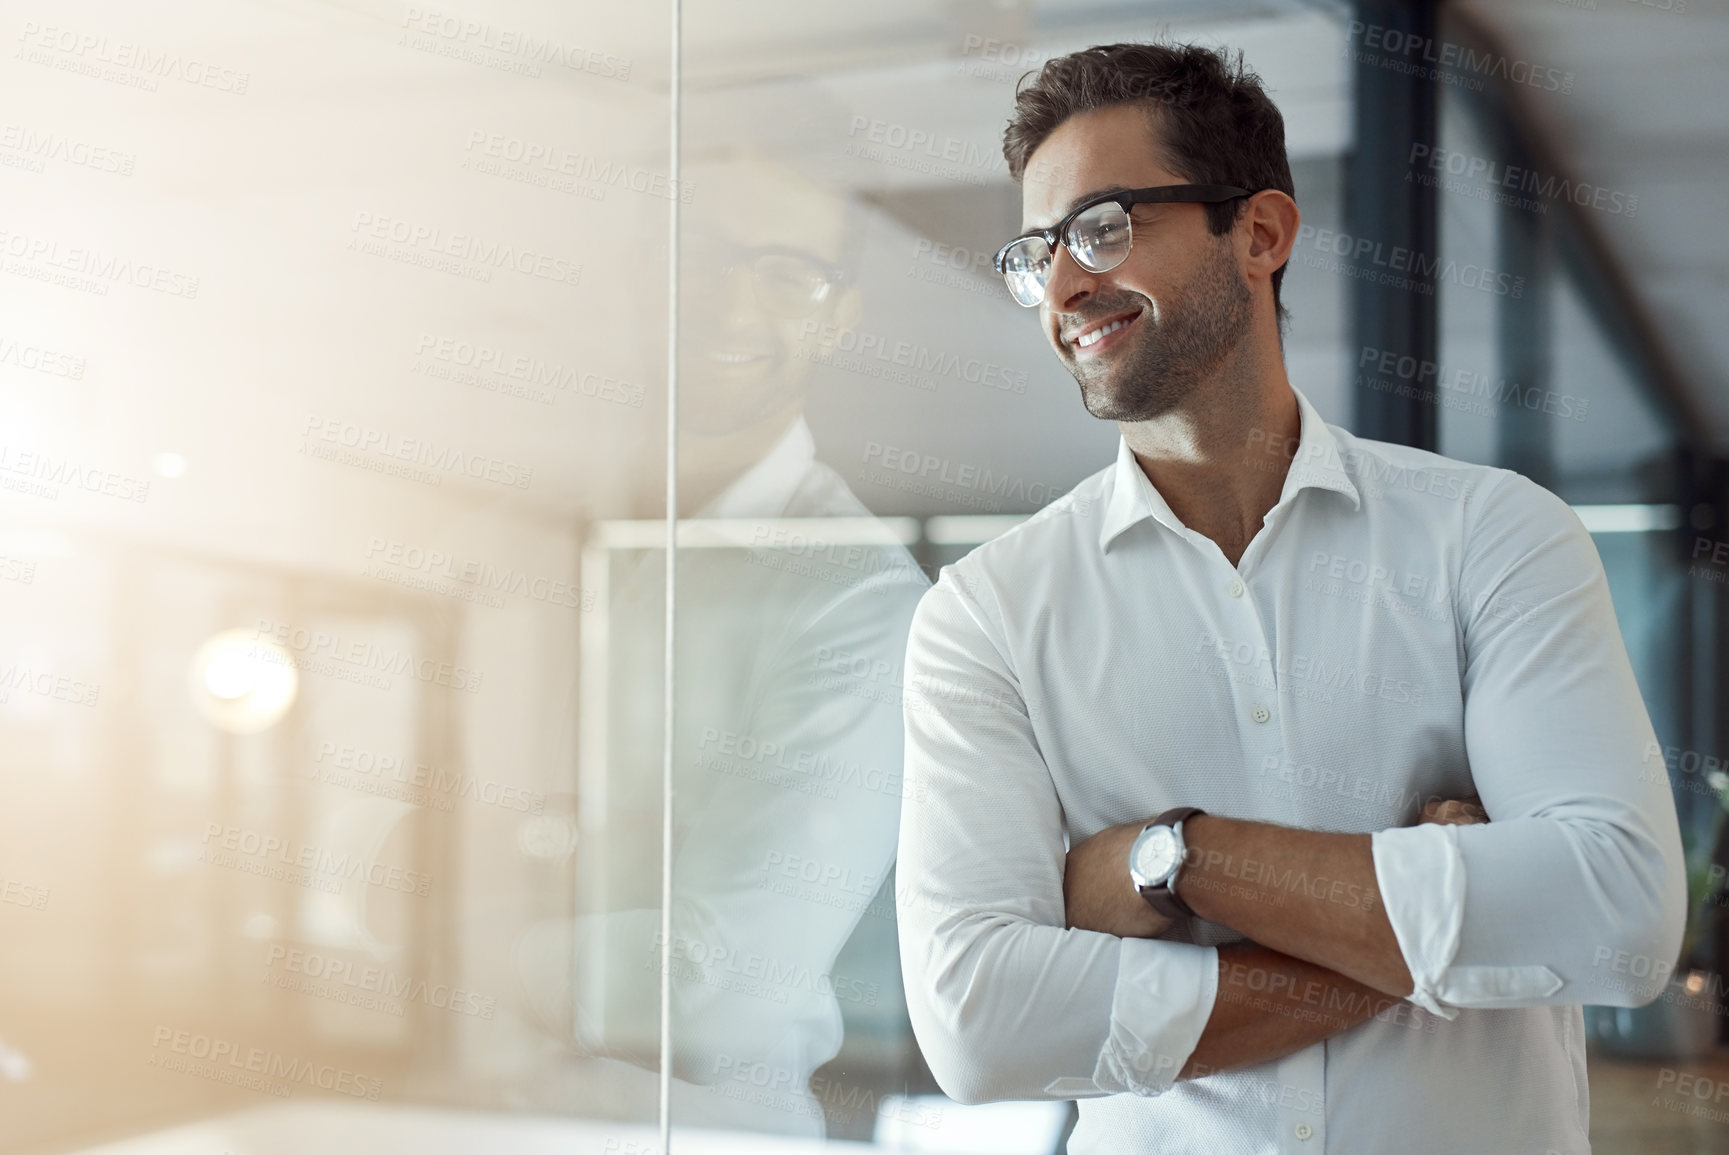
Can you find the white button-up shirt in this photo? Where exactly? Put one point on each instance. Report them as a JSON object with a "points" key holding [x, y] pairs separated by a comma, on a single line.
{"points": [[1402, 627], [787, 795]]}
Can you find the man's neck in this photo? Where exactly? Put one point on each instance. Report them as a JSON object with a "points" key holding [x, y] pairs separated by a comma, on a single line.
{"points": [[1209, 458], [708, 464]]}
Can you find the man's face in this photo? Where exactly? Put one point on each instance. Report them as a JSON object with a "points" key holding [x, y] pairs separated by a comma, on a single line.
{"points": [[1180, 293], [740, 330]]}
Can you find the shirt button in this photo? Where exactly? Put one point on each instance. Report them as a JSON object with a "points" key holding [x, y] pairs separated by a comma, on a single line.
{"points": [[1303, 1130], [1236, 588], [1261, 714]]}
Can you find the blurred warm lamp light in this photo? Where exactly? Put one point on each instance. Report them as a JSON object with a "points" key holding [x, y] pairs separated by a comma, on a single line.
{"points": [[242, 683], [170, 465]]}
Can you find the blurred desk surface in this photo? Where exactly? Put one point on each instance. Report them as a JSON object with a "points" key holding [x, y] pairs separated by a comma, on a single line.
{"points": [[1643, 1108], [334, 1128], [1637, 1108]]}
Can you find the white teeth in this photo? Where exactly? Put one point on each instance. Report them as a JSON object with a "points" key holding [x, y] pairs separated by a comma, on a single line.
{"points": [[1086, 339]]}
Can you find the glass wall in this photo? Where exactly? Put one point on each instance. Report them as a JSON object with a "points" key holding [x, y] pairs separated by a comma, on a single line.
{"points": [[331, 330], [345, 809]]}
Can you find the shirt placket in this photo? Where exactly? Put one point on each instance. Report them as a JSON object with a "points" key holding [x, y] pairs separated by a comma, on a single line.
{"points": [[1299, 1100], [1250, 657], [1302, 1103]]}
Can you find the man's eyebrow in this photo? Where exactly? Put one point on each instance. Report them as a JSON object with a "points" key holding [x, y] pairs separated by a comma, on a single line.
{"points": [[1087, 196], [1079, 199]]}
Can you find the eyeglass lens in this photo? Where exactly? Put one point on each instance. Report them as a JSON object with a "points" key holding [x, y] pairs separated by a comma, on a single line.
{"points": [[1098, 239], [788, 285], [785, 284]]}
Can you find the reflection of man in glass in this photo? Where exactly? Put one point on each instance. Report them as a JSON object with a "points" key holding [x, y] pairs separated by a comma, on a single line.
{"points": [[788, 726]]}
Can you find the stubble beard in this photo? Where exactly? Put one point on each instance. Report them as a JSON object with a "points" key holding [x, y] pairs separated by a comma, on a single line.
{"points": [[1183, 341]]}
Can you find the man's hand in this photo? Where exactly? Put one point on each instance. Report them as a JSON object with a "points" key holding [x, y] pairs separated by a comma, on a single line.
{"points": [[1454, 812], [1098, 892]]}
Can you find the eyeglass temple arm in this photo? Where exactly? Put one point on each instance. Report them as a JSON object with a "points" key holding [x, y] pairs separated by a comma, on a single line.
{"points": [[1184, 193]]}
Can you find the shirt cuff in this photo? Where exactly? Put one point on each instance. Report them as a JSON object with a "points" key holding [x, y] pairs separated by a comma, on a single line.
{"points": [[1422, 879], [1162, 1001]]}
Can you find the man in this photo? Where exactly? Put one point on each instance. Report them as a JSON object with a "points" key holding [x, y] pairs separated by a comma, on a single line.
{"points": [[786, 792], [1311, 637]]}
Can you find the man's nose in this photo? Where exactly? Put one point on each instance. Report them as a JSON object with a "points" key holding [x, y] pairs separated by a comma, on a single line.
{"points": [[726, 294], [738, 296], [1069, 284]]}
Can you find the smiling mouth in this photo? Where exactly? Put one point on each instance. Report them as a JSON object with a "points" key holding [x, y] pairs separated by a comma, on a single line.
{"points": [[1102, 335], [736, 357]]}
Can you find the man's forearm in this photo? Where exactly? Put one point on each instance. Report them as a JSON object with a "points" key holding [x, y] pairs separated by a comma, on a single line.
{"points": [[1301, 892], [1304, 893], [1270, 1005]]}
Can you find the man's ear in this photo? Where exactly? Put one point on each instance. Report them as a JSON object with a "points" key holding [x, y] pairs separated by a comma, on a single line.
{"points": [[1271, 222]]}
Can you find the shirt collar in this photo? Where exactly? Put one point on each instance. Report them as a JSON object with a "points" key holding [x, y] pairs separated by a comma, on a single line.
{"points": [[766, 487], [1317, 463]]}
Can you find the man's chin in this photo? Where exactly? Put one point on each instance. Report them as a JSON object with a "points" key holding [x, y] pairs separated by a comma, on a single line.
{"points": [[1111, 404], [1105, 402], [1102, 409], [1108, 384], [714, 409]]}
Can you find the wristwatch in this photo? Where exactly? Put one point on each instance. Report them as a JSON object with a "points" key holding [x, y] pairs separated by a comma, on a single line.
{"points": [[1157, 856]]}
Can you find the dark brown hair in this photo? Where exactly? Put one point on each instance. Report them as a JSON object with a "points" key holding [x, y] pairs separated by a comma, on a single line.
{"points": [[1215, 121]]}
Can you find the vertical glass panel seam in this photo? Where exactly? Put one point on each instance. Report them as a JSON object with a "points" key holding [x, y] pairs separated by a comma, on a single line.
{"points": [[668, 689]]}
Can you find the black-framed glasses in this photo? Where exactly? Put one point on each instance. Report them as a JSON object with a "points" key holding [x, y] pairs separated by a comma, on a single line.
{"points": [[1096, 232], [788, 282]]}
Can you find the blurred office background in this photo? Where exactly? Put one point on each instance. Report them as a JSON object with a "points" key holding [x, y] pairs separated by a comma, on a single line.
{"points": [[333, 428]]}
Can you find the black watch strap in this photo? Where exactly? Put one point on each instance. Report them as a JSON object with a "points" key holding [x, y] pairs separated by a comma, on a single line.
{"points": [[1162, 897]]}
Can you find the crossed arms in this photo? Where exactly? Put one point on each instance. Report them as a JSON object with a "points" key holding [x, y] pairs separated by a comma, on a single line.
{"points": [[1580, 867], [1307, 901]]}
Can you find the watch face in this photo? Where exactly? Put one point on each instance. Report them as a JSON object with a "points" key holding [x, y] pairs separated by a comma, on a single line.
{"points": [[1155, 855]]}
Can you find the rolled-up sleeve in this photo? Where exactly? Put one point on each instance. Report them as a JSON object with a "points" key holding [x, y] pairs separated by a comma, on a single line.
{"points": [[1005, 1000], [1577, 883]]}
